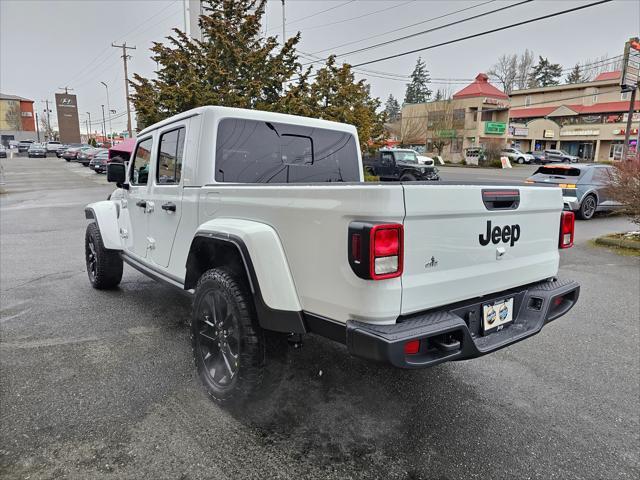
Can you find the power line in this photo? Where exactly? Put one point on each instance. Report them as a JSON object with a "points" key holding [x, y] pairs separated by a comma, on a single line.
{"points": [[434, 29], [395, 30], [486, 32], [359, 16], [312, 15]]}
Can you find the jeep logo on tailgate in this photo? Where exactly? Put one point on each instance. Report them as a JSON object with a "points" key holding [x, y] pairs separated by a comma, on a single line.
{"points": [[507, 234]]}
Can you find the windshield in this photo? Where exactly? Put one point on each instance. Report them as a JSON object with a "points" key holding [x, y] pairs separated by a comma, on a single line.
{"points": [[409, 157]]}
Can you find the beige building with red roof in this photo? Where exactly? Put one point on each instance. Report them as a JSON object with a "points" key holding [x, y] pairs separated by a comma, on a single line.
{"points": [[584, 119], [476, 115]]}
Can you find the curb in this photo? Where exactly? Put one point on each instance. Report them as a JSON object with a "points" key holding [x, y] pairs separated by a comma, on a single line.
{"points": [[618, 242]]}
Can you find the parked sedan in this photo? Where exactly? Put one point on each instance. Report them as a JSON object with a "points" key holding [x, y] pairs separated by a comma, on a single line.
{"points": [[584, 186], [99, 161], [559, 156], [61, 149], [517, 156], [37, 150], [3, 151], [86, 154]]}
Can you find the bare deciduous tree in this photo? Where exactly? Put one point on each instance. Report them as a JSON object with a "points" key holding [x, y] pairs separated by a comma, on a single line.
{"points": [[505, 71], [525, 64]]}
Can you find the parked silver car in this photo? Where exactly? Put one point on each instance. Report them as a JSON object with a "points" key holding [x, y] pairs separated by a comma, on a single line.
{"points": [[584, 186], [559, 156], [517, 156]]}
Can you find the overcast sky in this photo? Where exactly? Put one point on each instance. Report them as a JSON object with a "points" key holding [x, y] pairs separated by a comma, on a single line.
{"points": [[48, 44]]}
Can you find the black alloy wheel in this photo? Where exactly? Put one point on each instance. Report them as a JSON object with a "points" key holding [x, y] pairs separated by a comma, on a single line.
{"points": [[218, 339], [588, 207]]}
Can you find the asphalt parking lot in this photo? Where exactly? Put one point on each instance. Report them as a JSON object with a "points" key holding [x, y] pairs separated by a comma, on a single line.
{"points": [[100, 384]]}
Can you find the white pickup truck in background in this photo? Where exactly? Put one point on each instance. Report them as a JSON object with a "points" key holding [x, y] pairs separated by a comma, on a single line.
{"points": [[266, 220]]}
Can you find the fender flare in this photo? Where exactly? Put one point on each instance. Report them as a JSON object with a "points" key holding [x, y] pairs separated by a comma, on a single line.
{"points": [[106, 214], [265, 263]]}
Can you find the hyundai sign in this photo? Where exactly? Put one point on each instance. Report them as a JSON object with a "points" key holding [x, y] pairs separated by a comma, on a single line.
{"points": [[68, 121]]}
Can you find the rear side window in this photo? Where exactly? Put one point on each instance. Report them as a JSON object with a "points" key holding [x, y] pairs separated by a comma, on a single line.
{"points": [[250, 151], [140, 167], [561, 171], [601, 176], [170, 156]]}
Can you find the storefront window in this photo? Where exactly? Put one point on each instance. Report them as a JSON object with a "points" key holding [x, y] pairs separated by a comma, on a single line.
{"points": [[615, 150], [456, 145]]}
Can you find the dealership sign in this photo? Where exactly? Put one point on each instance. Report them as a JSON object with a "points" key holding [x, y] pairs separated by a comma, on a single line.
{"points": [[68, 121], [622, 131]]}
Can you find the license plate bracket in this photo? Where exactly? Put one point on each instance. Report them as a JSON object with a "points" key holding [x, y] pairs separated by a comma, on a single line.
{"points": [[496, 315]]}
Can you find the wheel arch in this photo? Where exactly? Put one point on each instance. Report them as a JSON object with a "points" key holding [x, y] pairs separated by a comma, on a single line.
{"points": [[252, 251], [106, 214]]}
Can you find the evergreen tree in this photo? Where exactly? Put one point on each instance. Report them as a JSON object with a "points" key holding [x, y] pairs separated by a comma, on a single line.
{"points": [[545, 73], [575, 76], [418, 90], [439, 96], [234, 65], [392, 109]]}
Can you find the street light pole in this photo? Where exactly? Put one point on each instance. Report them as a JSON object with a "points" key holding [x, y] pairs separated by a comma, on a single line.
{"points": [[108, 110], [90, 126], [37, 127], [104, 125], [283, 20]]}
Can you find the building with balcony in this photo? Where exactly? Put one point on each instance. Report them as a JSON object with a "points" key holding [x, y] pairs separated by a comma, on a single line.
{"points": [[584, 119], [17, 119], [476, 115]]}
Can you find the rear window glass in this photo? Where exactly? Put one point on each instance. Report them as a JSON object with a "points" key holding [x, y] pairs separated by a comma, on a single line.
{"points": [[561, 171], [250, 151]]}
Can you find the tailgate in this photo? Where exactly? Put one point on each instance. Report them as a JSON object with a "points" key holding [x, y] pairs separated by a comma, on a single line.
{"points": [[448, 255]]}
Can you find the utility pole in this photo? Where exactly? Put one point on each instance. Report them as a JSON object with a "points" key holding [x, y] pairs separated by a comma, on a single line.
{"points": [[104, 125], [627, 131], [48, 112], [108, 109], [37, 127], [90, 126], [283, 20], [86, 123], [126, 81]]}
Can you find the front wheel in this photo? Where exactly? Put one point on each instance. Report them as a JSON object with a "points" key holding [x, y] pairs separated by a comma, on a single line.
{"points": [[104, 266], [520, 160], [587, 207], [234, 357]]}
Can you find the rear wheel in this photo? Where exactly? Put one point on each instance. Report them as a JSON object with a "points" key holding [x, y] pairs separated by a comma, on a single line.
{"points": [[104, 266], [588, 207], [234, 357]]}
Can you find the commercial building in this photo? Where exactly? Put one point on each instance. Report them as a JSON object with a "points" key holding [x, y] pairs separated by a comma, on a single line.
{"points": [[476, 115], [584, 119], [17, 119]]}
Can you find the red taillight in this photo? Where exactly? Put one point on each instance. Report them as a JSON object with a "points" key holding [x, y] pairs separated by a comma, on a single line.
{"points": [[356, 247], [412, 347], [386, 251], [567, 224]]}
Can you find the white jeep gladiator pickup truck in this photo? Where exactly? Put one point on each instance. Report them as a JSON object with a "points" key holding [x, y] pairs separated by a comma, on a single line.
{"points": [[265, 219]]}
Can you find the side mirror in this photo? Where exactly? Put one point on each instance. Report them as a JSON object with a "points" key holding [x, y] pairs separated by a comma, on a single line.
{"points": [[116, 173]]}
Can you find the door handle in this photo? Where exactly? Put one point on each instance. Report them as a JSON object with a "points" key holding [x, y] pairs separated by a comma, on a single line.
{"points": [[169, 206], [141, 203]]}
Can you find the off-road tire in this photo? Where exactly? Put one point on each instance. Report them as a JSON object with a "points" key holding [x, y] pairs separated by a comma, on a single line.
{"points": [[261, 355], [104, 266], [407, 177], [588, 207]]}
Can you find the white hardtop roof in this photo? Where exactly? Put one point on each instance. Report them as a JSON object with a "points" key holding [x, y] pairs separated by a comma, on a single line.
{"points": [[259, 115]]}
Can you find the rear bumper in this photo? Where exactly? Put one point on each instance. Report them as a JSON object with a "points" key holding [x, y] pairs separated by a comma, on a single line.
{"points": [[453, 333]]}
